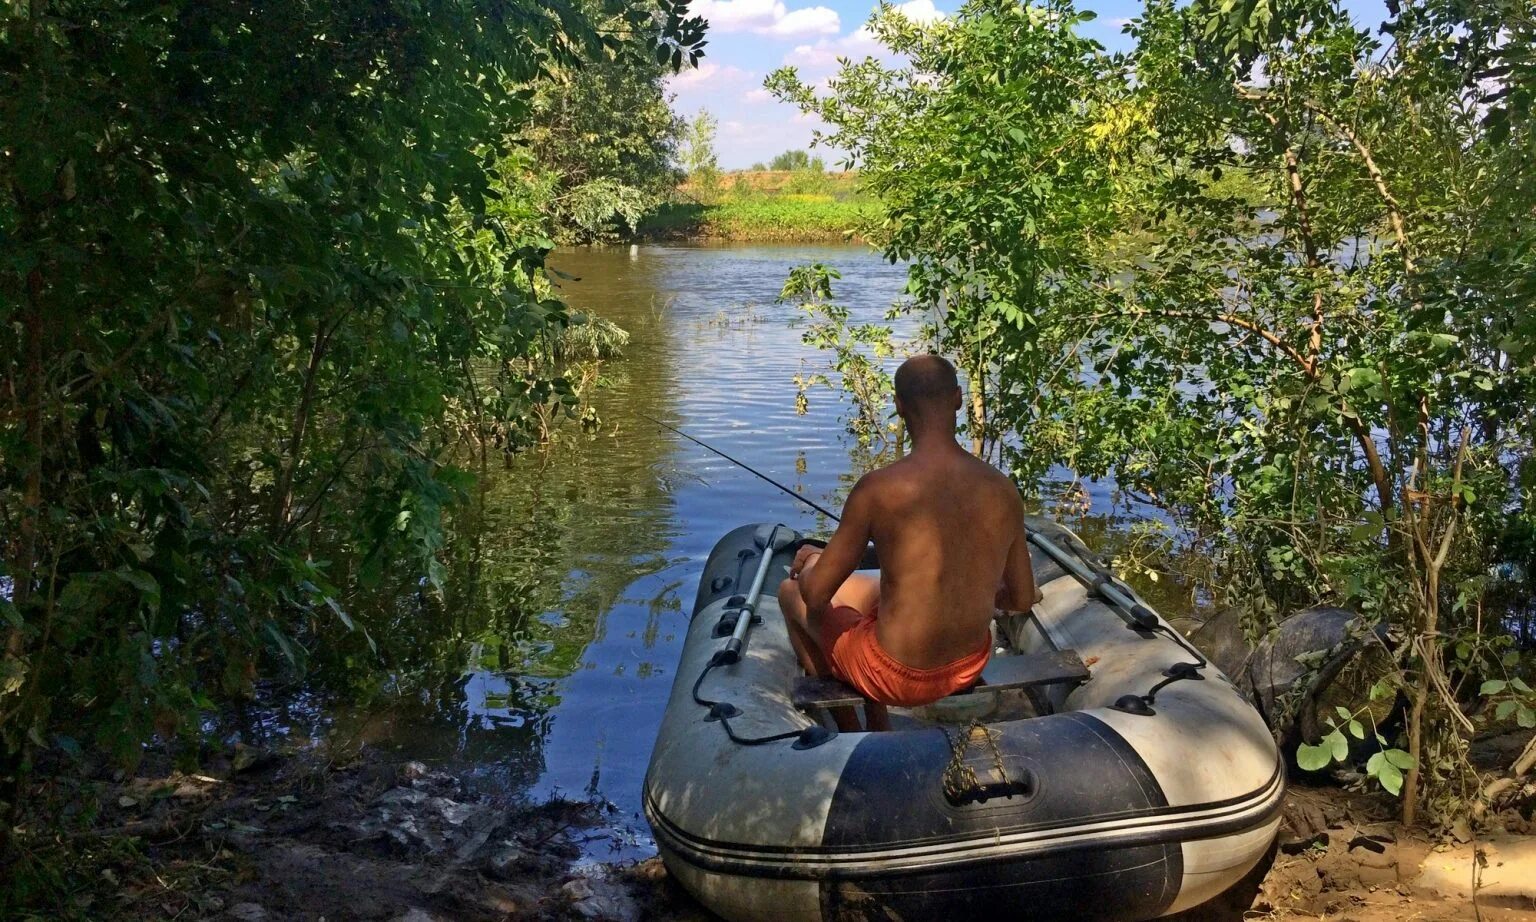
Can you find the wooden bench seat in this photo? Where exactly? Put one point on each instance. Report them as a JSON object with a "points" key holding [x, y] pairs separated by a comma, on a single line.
{"points": [[1003, 672]]}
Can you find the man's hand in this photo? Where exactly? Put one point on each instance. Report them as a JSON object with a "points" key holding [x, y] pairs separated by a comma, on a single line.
{"points": [[805, 557]]}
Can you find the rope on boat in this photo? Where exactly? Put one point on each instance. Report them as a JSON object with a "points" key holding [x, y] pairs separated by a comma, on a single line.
{"points": [[962, 786]]}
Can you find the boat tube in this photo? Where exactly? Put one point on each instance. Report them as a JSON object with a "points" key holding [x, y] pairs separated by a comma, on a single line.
{"points": [[1149, 788]]}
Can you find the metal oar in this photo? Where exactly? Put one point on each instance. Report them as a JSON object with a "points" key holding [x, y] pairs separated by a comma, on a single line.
{"points": [[770, 545]]}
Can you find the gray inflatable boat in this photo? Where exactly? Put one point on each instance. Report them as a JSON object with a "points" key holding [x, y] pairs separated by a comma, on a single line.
{"points": [[1104, 770]]}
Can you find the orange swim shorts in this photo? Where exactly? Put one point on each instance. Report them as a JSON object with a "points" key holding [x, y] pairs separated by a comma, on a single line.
{"points": [[849, 642]]}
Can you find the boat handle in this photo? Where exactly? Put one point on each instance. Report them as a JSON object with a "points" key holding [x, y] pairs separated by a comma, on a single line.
{"points": [[1022, 786]]}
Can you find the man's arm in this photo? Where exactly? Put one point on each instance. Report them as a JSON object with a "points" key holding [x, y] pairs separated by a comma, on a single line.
{"points": [[825, 574], [1018, 591]]}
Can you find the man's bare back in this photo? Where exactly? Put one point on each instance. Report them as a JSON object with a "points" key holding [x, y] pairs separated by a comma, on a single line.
{"points": [[943, 524], [949, 533]]}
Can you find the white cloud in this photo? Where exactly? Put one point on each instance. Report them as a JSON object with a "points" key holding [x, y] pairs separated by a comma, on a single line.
{"points": [[920, 11], [707, 74], [860, 43], [769, 17], [1120, 22], [757, 96], [813, 20], [823, 55]]}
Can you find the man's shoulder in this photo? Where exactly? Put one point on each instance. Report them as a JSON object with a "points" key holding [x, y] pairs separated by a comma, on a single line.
{"points": [[998, 485], [883, 479]]}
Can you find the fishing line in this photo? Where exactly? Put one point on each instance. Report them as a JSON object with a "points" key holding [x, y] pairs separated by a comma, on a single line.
{"points": [[746, 467]]}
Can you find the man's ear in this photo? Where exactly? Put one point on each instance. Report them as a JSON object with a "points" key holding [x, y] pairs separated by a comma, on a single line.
{"points": [[956, 403]]}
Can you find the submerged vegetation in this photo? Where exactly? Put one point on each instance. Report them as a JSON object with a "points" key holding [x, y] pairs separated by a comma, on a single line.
{"points": [[1270, 270]]}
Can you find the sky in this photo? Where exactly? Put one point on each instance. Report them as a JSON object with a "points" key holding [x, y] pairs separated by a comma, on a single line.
{"points": [[748, 39]]}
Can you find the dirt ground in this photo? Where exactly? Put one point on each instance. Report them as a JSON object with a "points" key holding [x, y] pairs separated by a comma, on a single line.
{"points": [[1341, 856], [269, 838]]}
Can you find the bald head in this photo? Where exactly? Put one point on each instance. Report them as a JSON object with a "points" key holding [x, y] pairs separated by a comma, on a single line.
{"points": [[927, 388]]}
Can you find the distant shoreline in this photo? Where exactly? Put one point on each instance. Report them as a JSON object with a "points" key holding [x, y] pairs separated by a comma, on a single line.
{"points": [[801, 206]]}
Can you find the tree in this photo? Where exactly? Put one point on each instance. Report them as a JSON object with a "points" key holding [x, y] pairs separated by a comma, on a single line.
{"points": [[1277, 283], [697, 155], [606, 135], [263, 279], [698, 145], [791, 160]]}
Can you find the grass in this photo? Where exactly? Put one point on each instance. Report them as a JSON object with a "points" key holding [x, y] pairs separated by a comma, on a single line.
{"points": [[765, 207]]}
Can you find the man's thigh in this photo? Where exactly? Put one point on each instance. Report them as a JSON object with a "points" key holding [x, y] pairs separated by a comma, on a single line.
{"points": [[860, 592]]}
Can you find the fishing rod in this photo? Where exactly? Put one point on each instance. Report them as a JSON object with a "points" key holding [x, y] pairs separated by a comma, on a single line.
{"points": [[744, 466]]}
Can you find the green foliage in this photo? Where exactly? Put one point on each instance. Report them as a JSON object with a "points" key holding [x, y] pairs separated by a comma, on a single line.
{"points": [[266, 267], [603, 136], [763, 218], [589, 337], [1268, 270], [796, 160], [1386, 764], [858, 353], [698, 157]]}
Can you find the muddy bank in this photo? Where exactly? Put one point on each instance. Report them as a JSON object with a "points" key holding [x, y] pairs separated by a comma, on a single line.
{"points": [[267, 837], [263, 836]]}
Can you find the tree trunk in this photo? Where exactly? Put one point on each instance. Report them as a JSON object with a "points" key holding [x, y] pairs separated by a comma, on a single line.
{"points": [[282, 506]]}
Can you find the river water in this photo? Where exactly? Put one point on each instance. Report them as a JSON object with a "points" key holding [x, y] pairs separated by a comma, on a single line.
{"points": [[544, 668]]}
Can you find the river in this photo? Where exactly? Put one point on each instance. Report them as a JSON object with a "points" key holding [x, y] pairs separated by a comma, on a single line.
{"points": [[543, 669]]}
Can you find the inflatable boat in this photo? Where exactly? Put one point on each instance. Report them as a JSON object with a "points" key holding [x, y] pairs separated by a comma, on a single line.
{"points": [[1102, 769]]}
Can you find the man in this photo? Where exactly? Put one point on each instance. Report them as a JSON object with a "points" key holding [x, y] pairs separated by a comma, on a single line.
{"points": [[949, 532]]}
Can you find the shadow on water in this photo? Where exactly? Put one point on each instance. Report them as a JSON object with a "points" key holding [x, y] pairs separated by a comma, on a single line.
{"points": [[544, 666]]}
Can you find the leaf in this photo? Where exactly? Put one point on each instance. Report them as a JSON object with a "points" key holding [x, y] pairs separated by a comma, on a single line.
{"points": [[13, 672], [68, 746], [1398, 758], [341, 613], [1492, 687], [1366, 532], [1343, 712], [138, 579], [283, 644], [1526, 717], [1356, 730], [1312, 758], [1505, 708], [1390, 778], [1339, 744]]}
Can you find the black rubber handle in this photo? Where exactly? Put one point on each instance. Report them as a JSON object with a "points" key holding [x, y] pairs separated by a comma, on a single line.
{"points": [[1023, 786]]}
